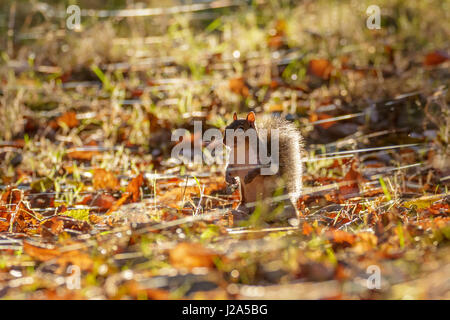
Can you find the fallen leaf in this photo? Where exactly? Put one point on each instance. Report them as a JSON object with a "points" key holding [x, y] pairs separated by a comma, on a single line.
{"points": [[238, 86], [4, 225], [278, 37], [136, 290], [341, 237], [95, 219], [101, 202], [104, 179], [74, 257], [83, 155], [350, 182], [11, 196], [40, 253], [69, 119], [133, 192], [320, 68], [191, 255], [322, 116], [134, 187], [116, 205], [51, 227], [18, 215], [307, 229], [435, 58]]}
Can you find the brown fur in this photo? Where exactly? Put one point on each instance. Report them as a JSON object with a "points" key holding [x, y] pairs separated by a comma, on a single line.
{"points": [[289, 176]]}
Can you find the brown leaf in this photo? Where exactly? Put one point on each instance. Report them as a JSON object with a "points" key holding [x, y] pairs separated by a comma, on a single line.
{"points": [[119, 203], [78, 258], [134, 187], [136, 290], [69, 119], [25, 220], [41, 201], [4, 225], [102, 202], [341, 237], [435, 58], [51, 227], [64, 258], [60, 293], [278, 37], [365, 241], [56, 225], [322, 116], [191, 255], [132, 193], [75, 224], [94, 219], [350, 183], [104, 179], [40, 253], [320, 68], [276, 41], [11, 196], [307, 229], [238, 86], [83, 155]]}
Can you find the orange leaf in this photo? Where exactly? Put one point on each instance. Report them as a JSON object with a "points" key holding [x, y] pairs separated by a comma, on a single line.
{"points": [[94, 219], [238, 86], [191, 255], [69, 119], [11, 196], [78, 258], [322, 116], [104, 179], [40, 253], [435, 58], [118, 203], [351, 180], [74, 257], [51, 227], [320, 68], [4, 225], [276, 41], [307, 229], [341, 237], [135, 290], [26, 220], [85, 155], [134, 187], [103, 202], [276, 108], [133, 191], [82, 155]]}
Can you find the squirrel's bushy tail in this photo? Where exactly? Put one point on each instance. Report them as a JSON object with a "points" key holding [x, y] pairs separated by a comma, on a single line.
{"points": [[290, 154]]}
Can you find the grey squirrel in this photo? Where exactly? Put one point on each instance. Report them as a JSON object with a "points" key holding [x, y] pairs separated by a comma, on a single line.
{"points": [[277, 194]]}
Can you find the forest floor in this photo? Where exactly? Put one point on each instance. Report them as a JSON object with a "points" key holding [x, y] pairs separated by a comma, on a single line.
{"points": [[94, 207]]}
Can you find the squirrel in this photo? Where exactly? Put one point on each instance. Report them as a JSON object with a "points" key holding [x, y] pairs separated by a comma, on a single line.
{"points": [[267, 190]]}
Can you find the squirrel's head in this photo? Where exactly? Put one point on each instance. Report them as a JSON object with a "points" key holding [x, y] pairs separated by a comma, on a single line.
{"points": [[241, 124]]}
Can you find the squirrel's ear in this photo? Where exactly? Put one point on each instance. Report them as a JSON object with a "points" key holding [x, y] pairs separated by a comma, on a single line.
{"points": [[251, 117], [234, 116]]}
